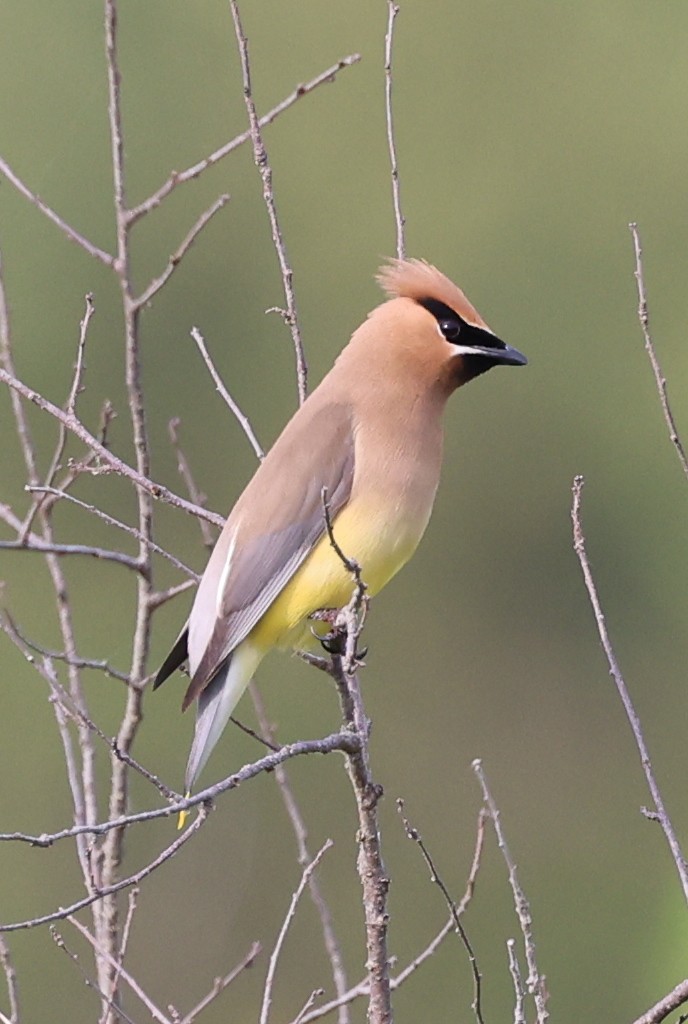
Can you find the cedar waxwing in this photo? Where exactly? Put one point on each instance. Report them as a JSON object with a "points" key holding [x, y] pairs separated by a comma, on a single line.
{"points": [[371, 434]]}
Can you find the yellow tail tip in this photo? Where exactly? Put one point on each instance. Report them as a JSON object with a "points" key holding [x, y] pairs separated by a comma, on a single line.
{"points": [[183, 815]]}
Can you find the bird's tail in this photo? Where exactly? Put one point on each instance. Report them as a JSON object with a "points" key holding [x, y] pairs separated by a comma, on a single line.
{"points": [[216, 703]]}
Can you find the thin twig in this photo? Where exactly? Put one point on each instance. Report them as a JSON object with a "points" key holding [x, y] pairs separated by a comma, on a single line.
{"points": [[108, 1002], [241, 418], [660, 379], [180, 177], [332, 946], [535, 980], [435, 877], [74, 392], [132, 904], [155, 1012], [184, 470], [399, 218], [111, 521], [77, 662], [12, 983], [221, 984], [301, 1016], [67, 705], [116, 465], [370, 865], [81, 778], [178, 255], [620, 683], [519, 988], [72, 234], [110, 890], [661, 1010], [289, 917], [289, 315], [344, 742], [34, 543]]}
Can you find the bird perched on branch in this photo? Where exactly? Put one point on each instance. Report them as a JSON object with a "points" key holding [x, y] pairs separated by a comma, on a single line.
{"points": [[371, 435]]}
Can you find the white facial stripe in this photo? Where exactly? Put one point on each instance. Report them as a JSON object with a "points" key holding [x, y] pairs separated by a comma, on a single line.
{"points": [[467, 350], [225, 573]]}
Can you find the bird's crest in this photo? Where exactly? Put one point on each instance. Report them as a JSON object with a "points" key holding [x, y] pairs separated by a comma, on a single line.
{"points": [[418, 280]]}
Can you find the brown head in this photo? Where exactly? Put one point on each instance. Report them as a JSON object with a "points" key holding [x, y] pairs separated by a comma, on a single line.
{"points": [[429, 326]]}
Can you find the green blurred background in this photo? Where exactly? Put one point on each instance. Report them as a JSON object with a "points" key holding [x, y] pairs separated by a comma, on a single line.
{"points": [[529, 135]]}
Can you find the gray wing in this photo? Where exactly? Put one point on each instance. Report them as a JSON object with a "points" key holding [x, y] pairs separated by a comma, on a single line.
{"points": [[274, 526]]}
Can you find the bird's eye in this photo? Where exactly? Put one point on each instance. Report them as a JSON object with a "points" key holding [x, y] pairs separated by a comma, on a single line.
{"points": [[451, 329]]}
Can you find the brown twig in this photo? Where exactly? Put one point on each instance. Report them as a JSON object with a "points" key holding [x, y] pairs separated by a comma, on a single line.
{"points": [[371, 868], [12, 983], [72, 234], [399, 219], [413, 834], [118, 524], [74, 392], [116, 465], [241, 418], [332, 946], [661, 1010], [184, 470], [110, 890], [660, 811], [155, 1012], [289, 315], [81, 777], [177, 178], [107, 1001], [344, 742], [149, 293], [362, 988], [519, 987], [660, 379], [221, 984], [535, 980], [289, 917]]}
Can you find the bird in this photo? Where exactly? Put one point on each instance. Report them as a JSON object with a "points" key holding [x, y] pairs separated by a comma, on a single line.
{"points": [[370, 438]]}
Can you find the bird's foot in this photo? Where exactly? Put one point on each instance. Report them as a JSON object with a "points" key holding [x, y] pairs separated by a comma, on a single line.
{"points": [[335, 640]]}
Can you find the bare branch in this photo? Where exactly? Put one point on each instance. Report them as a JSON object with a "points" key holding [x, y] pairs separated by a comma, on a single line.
{"points": [[362, 988], [175, 259], [399, 218], [110, 890], [519, 988], [274, 958], [293, 810], [370, 866], [180, 177], [108, 1002], [222, 983], [71, 408], [660, 379], [289, 315], [72, 234], [12, 983], [631, 714], [111, 521], [344, 742], [416, 837], [184, 470], [661, 1010], [155, 1012], [242, 419], [301, 1016], [535, 980], [116, 465]]}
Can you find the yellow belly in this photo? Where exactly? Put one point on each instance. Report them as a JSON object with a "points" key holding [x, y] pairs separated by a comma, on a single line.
{"points": [[380, 544]]}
